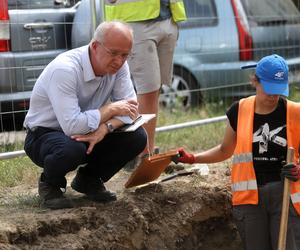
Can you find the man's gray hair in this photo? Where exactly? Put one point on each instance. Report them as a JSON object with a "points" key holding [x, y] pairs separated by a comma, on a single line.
{"points": [[104, 27]]}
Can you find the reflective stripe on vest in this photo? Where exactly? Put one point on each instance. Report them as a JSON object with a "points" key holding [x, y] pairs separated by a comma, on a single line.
{"points": [[116, 2], [244, 186], [295, 197], [239, 158], [131, 10], [141, 10]]}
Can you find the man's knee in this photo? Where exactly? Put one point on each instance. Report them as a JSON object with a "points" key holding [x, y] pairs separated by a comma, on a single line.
{"points": [[75, 152], [139, 138], [67, 158], [135, 141]]}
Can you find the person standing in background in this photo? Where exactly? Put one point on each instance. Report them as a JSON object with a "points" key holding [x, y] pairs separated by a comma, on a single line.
{"points": [[154, 23]]}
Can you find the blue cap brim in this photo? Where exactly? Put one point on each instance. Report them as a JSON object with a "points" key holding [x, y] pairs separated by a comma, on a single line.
{"points": [[275, 88], [250, 66]]}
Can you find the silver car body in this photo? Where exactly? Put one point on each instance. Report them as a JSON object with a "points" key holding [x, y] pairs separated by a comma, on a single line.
{"points": [[208, 57], [38, 32]]}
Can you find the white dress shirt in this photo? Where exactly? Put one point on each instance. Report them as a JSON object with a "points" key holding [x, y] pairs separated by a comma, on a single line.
{"points": [[67, 95]]}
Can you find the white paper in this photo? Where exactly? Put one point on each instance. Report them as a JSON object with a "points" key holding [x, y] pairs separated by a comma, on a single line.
{"points": [[142, 119]]}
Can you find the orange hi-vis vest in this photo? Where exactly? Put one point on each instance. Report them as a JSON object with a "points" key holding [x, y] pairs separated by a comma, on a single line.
{"points": [[244, 185]]}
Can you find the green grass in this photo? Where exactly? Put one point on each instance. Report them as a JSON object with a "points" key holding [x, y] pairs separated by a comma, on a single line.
{"points": [[17, 171], [10, 147], [22, 201], [295, 92], [194, 138]]}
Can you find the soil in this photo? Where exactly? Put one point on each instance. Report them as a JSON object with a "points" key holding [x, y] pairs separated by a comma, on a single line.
{"points": [[187, 212]]}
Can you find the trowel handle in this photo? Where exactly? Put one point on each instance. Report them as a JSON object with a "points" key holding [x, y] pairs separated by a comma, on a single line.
{"points": [[175, 158], [285, 205]]}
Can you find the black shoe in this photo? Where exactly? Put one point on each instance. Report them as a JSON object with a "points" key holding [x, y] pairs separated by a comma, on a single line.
{"points": [[92, 187], [52, 197]]}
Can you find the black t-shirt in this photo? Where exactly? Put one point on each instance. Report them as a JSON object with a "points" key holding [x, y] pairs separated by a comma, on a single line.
{"points": [[269, 143]]}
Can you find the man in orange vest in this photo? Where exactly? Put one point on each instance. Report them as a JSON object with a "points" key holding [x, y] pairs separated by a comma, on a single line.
{"points": [[259, 130]]}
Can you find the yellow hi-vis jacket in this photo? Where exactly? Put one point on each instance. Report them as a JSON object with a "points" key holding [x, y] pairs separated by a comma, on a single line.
{"points": [[244, 185], [141, 10]]}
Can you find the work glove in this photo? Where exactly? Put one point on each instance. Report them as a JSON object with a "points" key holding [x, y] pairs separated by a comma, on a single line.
{"points": [[185, 157], [291, 171]]}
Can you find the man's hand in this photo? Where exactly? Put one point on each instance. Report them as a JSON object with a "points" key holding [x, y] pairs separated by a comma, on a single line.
{"points": [[291, 171], [125, 107], [92, 138], [185, 157]]}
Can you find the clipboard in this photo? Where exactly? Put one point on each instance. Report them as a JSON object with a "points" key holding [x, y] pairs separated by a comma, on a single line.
{"points": [[142, 119], [150, 168]]}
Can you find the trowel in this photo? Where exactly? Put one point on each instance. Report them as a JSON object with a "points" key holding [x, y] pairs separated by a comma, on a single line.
{"points": [[151, 168]]}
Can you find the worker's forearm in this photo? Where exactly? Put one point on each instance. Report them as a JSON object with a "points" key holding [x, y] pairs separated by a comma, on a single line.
{"points": [[106, 112], [216, 154]]}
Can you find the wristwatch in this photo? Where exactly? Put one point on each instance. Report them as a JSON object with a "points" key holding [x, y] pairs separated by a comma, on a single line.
{"points": [[110, 127]]}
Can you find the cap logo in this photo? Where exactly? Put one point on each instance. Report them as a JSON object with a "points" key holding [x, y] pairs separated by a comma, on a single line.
{"points": [[279, 75]]}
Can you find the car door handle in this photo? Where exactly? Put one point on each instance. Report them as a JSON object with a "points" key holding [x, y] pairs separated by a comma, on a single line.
{"points": [[41, 25]]}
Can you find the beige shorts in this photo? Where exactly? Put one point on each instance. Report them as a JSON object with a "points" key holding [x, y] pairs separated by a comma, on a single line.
{"points": [[151, 61]]}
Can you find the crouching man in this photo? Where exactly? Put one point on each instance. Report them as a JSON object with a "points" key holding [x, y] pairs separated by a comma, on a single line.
{"points": [[80, 98]]}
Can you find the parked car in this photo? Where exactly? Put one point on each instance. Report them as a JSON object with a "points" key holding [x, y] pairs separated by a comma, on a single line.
{"points": [[32, 33], [218, 37], [221, 36]]}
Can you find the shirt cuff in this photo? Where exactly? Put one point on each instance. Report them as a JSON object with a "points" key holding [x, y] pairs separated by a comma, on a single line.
{"points": [[93, 119]]}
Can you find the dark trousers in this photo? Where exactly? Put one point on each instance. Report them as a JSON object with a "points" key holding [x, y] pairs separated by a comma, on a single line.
{"points": [[58, 154], [259, 224]]}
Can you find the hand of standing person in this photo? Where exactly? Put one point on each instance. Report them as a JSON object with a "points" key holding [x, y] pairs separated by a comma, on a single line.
{"points": [[185, 157], [291, 171]]}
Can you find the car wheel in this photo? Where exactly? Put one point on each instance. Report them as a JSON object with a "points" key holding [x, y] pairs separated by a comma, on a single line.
{"points": [[183, 92]]}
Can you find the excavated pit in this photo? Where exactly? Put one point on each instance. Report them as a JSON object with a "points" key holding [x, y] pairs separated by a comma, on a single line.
{"points": [[190, 212]]}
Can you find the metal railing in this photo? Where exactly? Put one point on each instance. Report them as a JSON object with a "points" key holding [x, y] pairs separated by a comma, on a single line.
{"points": [[19, 153]]}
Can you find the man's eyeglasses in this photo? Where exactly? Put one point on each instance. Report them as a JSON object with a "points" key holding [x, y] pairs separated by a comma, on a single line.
{"points": [[114, 54]]}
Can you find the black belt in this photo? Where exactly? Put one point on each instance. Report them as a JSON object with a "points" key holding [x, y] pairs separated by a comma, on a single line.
{"points": [[30, 129], [38, 131]]}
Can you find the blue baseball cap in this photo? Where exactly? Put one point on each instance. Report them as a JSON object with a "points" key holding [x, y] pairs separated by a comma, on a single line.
{"points": [[272, 72]]}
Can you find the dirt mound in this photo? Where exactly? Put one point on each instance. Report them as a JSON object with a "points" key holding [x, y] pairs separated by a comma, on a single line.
{"points": [[190, 212]]}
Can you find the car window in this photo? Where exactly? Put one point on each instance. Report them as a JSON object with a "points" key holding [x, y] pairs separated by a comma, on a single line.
{"points": [[39, 4], [200, 13], [264, 12]]}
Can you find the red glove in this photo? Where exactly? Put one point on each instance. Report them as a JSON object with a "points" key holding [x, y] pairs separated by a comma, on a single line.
{"points": [[291, 171], [185, 157]]}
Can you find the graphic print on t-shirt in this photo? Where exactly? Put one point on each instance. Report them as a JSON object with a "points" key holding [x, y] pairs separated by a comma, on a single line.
{"points": [[264, 136]]}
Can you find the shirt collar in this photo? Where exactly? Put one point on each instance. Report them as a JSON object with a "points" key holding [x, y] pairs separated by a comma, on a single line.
{"points": [[88, 72]]}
